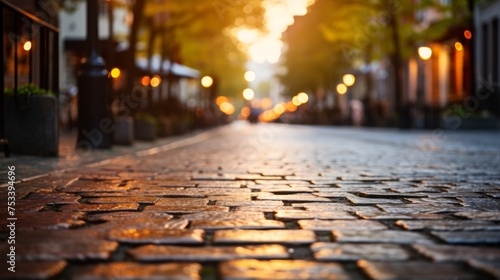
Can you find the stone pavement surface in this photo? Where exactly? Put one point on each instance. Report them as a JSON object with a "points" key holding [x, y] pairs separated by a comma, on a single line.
{"points": [[31, 166], [267, 202]]}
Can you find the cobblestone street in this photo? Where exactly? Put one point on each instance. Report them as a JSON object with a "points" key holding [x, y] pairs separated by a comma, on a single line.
{"points": [[268, 201]]}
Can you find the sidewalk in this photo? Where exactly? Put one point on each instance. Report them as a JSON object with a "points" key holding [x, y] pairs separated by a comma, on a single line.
{"points": [[267, 202], [32, 166]]}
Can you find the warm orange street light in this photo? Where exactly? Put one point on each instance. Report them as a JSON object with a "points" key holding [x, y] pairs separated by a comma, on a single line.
{"points": [[303, 97], [220, 100], [27, 46], [155, 81], [145, 80], [207, 81], [425, 53], [467, 34], [227, 108], [291, 107], [115, 73], [279, 108], [341, 88]]}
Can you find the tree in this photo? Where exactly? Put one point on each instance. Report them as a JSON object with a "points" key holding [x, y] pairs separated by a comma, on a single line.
{"points": [[370, 30], [196, 33], [311, 60]]}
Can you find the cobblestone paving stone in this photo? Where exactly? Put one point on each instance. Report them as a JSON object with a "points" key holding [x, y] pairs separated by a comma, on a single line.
{"points": [[208, 254], [414, 270], [269, 202], [353, 252]]}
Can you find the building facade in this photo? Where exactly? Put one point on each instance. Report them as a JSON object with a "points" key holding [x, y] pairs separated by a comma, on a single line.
{"points": [[487, 51]]}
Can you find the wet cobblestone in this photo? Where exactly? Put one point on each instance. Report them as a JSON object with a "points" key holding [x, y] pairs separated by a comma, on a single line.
{"points": [[208, 254], [269, 202]]}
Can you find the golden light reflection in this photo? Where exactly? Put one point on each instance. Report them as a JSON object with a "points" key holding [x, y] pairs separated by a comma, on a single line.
{"points": [[220, 100], [459, 46], [296, 101], [133, 232]]}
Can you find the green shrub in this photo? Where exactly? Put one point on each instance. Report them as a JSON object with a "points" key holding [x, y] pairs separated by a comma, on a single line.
{"points": [[30, 89], [147, 118]]}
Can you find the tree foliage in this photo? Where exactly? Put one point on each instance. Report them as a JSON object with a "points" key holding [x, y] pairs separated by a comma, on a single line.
{"points": [[197, 33], [336, 36]]}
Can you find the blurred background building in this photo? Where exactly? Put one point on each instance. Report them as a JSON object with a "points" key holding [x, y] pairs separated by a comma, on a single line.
{"points": [[417, 64]]}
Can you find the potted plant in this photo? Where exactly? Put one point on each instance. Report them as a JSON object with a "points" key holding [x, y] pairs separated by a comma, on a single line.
{"points": [[145, 127], [31, 121], [458, 117]]}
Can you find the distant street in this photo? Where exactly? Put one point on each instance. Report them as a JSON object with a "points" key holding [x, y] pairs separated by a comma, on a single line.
{"points": [[269, 201]]}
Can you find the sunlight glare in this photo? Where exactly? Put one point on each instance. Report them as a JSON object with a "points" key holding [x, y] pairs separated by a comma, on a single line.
{"points": [[247, 36], [279, 15]]}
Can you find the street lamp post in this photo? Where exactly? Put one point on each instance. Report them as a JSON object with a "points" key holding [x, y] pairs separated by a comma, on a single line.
{"points": [[424, 53], [348, 81], [206, 82], [94, 122]]}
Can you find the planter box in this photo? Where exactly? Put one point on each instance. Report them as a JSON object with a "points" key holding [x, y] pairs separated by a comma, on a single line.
{"points": [[144, 130], [34, 130], [124, 132]]}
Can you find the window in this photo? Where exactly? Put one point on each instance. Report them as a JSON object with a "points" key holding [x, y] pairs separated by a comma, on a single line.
{"points": [[103, 8]]}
